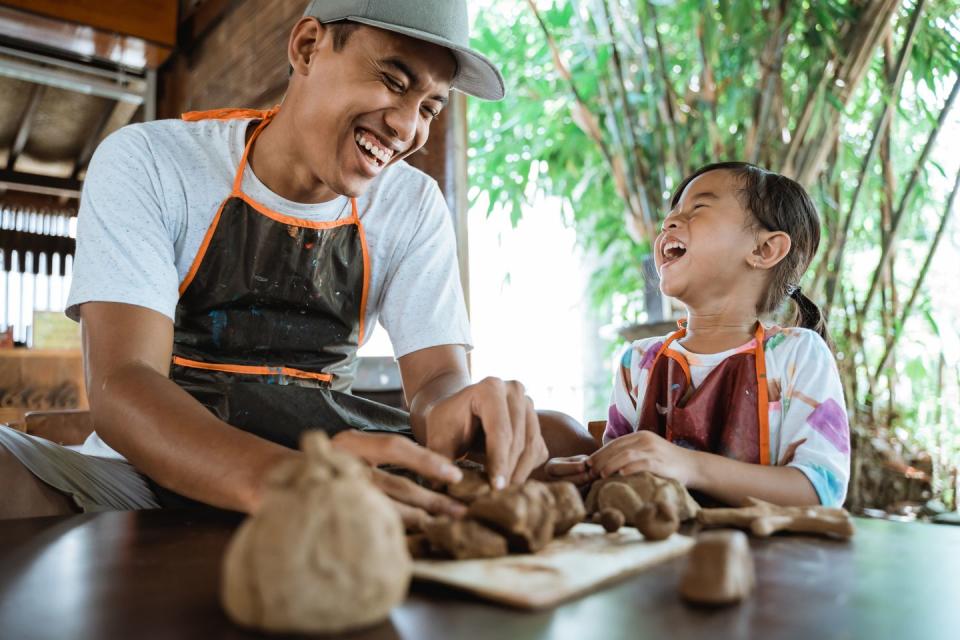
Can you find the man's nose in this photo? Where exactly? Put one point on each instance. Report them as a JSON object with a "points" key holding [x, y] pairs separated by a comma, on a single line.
{"points": [[402, 121]]}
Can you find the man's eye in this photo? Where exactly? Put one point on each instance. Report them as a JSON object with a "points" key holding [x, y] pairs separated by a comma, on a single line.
{"points": [[393, 84], [430, 113]]}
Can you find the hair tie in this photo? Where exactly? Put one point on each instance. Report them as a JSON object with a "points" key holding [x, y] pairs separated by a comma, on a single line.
{"points": [[795, 292]]}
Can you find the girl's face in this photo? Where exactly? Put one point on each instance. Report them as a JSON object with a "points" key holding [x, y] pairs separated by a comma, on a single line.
{"points": [[705, 249]]}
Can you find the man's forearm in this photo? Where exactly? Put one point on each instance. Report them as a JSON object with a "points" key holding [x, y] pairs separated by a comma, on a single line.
{"points": [[172, 438], [732, 481], [438, 388]]}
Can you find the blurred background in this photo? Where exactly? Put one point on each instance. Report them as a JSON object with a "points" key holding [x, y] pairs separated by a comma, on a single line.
{"points": [[556, 192]]}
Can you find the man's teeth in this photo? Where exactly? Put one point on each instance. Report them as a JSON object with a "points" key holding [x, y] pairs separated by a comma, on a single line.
{"points": [[381, 154]]}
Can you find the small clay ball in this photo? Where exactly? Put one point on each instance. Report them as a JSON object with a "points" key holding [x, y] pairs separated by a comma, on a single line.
{"points": [[611, 519], [324, 554], [658, 520]]}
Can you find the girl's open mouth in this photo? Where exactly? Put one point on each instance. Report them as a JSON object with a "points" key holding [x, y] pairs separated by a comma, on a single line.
{"points": [[672, 251]]}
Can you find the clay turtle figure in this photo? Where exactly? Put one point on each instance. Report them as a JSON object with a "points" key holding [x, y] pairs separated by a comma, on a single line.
{"points": [[324, 554]]}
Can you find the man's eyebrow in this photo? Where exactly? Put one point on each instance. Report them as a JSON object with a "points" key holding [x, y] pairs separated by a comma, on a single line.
{"points": [[405, 69]]}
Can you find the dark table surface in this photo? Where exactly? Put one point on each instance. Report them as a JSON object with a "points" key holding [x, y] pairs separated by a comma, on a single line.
{"points": [[155, 574]]}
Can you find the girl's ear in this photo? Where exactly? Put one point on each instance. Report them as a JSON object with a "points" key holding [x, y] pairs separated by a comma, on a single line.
{"points": [[772, 247]]}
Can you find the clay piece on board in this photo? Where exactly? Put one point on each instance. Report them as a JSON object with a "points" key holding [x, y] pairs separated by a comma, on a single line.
{"points": [[569, 506], [719, 569], [762, 519], [525, 513], [648, 488], [325, 553], [656, 517], [611, 519], [463, 540]]}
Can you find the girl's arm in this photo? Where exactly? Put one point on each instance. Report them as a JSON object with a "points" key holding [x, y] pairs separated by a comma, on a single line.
{"points": [[732, 481], [725, 479]]}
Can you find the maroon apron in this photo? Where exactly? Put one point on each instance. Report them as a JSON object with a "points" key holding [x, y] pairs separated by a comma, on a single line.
{"points": [[728, 414], [271, 314]]}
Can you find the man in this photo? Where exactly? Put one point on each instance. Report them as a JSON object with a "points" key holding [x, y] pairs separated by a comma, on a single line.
{"points": [[230, 264]]}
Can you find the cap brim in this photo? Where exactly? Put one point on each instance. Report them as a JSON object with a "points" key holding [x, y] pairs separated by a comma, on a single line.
{"points": [[476, 75]]}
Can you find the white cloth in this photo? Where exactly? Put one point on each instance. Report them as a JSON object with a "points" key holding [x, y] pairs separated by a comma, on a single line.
{"points": [[808, 416], [152, 190]]}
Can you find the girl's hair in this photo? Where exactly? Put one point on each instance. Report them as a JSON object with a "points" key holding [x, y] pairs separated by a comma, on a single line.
{"points": [[778, 203]]}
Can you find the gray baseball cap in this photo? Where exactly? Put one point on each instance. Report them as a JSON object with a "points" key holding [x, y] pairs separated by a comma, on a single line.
{"points": [[442, 22]]}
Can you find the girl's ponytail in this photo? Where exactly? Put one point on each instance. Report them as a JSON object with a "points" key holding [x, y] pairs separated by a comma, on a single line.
{"points": [[808, 314]]}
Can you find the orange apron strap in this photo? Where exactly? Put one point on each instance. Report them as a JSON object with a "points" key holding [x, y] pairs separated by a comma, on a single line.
{"points": [[238, 178], [252, 370], [225, 114], [763, 404], [355, 219]]}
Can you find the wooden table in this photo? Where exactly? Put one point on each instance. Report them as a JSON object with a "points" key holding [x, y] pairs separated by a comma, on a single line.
{"points": [[154, 574]]}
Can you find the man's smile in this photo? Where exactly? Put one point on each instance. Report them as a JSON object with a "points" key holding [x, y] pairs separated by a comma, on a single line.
{"points": [[372, 148]]}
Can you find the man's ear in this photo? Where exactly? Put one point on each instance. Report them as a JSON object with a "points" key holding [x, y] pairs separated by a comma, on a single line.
{"points": [[305, 38], [772, 247]]}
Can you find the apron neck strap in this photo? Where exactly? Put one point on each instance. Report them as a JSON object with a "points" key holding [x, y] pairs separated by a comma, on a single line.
{"points": [[238, 178]]}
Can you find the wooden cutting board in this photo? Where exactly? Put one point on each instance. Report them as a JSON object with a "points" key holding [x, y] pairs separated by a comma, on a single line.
{"points": [[584, 560]]}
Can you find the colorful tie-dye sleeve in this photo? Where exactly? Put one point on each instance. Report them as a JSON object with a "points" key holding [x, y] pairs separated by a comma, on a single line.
{"points": [[814, 431], [629, 384]]}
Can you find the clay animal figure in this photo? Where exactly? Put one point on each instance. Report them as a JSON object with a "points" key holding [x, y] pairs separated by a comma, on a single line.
{"points": [[762, 519], [325, 553], [719, 569], [654, 505]]}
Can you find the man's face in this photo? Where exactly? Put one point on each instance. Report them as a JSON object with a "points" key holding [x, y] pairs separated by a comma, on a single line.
{"points": [[368, 105]]}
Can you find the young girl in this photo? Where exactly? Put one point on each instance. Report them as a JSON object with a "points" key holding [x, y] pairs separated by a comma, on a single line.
{"points": [[726, 405]]}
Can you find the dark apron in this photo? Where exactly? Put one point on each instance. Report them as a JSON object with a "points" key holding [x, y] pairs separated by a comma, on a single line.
{"points": [[728, 414], [270, 317]]}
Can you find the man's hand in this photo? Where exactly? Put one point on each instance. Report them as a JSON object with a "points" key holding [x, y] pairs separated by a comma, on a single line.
{"points": [[644, 451], [412, 501], [503, 413]]}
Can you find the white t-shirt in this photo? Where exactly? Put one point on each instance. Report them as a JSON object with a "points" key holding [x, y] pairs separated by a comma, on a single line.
{"points": [[808, 416], [152, 190]]}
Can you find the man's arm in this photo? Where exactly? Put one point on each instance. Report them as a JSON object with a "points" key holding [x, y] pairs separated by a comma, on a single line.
{"points": [[156, 425], [448, 414]]}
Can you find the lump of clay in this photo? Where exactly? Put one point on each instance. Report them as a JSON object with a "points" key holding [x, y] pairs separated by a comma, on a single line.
{"points": [[525, 513], [648, 488], [569, 506], [656, 518], [719, 569], [324, 554], [463, 539]]}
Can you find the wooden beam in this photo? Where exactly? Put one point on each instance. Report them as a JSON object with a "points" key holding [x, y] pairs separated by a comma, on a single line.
{"points": [[39, 201], [32, 183], [25, 124], [150, 20]]}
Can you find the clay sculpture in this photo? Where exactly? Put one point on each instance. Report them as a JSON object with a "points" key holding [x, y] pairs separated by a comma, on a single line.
{"points": [[654, 505], [325, 553], [719, 569], [521, 518], [463, 539], [762, 519], [525, 513]]}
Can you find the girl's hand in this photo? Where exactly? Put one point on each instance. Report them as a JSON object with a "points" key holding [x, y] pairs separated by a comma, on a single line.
{"points": [[573, 469], [644, 451]]}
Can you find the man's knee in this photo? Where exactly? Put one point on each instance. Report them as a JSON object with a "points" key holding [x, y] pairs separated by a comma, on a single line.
{"points": [[25, 495], [564, 436]]}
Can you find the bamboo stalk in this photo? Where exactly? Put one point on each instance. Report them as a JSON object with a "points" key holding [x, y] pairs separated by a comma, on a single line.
{"points": [[880, 129], [908, 307], [667, 103], [904, 199], [769, 62]]}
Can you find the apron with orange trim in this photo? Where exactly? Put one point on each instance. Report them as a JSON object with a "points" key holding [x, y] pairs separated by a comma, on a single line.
{"points": [[269, 313], [727, 414]]}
